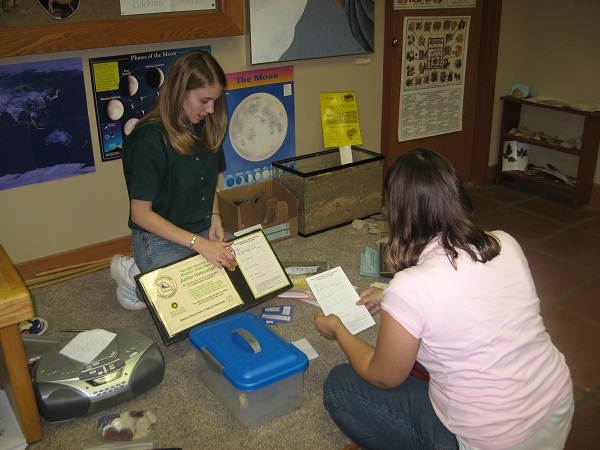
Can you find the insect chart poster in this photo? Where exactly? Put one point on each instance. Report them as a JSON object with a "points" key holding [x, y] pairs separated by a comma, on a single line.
{"points": [[433, 68]]}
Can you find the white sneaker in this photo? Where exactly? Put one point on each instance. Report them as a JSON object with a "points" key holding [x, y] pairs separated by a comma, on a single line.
{"points": [[129, 300], [122, 270]]}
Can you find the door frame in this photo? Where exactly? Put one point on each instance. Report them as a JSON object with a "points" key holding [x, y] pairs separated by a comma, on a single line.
{"points": [[480, 174]]}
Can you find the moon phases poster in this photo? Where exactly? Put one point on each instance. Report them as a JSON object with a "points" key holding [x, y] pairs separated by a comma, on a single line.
{"points": [[125, 88], [260, 104]]}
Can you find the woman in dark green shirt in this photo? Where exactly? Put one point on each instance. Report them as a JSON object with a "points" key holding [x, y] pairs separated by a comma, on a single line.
{"points": [[171, 161]]}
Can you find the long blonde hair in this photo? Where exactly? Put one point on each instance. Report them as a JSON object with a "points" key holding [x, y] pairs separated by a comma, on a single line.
{"points": [[192, 70]]}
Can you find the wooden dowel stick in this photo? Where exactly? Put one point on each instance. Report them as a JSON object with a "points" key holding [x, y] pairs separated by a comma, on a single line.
{"points": [[64, 273], [65, 278], [74, 266]]}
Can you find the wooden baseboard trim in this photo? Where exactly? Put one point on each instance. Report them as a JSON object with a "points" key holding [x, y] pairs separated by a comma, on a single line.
{"points": [[28, 269]]}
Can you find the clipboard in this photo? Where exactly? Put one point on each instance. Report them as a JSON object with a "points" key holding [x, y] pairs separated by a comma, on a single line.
{"points": [[190, 292]]}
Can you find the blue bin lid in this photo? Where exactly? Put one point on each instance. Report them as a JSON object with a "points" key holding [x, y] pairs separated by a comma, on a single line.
{"points": [[252, 355]]}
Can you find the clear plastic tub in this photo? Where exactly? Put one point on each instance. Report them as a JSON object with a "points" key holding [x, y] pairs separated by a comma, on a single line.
{"points": [[255, 373]]}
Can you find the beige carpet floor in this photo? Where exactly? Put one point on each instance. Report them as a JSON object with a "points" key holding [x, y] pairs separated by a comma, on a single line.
{"points": [[189, 415]]}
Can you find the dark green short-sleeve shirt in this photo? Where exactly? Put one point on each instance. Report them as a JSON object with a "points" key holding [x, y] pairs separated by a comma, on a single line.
{"points": [[180, 187]]}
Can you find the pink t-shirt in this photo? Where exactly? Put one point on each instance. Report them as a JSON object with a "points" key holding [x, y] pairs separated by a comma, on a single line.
{"points": [[495, 374]]}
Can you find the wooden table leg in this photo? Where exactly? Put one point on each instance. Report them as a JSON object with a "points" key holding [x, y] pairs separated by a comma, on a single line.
{"points": [[18, 385]]}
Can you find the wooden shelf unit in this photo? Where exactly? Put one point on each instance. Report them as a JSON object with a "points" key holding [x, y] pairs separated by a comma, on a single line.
{"points": [[587, 154]]}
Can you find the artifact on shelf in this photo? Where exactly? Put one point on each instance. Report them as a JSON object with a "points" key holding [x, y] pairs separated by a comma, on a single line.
{"points": [[525, 133], [532, 169], [588, 107], [521, 132], [515, 156], [546, 101], [571, 144], [551, 139]]}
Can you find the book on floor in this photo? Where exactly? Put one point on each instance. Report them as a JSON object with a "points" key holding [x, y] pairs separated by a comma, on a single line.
{"points": [[11, 436]]}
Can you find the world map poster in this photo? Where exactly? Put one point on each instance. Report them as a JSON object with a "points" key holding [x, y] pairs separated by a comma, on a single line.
{"points": [[44, 123]]}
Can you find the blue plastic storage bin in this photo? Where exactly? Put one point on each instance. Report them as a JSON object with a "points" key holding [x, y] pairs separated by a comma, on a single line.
{"points": [[255, 373]]}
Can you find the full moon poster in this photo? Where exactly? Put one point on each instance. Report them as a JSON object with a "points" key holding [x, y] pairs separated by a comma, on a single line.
{"points": [[260, 104]]}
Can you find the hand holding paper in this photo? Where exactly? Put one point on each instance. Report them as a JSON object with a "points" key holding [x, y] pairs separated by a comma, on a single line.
{"points": [[335, 295]]}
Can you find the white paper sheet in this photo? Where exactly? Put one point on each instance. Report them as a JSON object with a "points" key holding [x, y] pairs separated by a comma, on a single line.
{"points": [[259, 264], [87, 345], [304, 346], [335, 295]]}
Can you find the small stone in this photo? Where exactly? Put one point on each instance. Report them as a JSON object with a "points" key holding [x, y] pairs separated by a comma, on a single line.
{"points": [[358, 224]]}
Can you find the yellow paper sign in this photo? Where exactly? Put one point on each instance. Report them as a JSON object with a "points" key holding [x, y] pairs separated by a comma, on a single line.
{"points": [[106, 76], [339, 119]]}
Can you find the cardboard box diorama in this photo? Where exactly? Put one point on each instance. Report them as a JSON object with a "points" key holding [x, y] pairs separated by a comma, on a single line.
{"points": [[268, 204]]}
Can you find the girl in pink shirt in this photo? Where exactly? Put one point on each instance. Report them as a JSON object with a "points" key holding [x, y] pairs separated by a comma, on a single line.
{"points": [[462, 304]]}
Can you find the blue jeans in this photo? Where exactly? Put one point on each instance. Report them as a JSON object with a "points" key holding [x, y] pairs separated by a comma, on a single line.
{"points": [[151, 252], [375, 418]]}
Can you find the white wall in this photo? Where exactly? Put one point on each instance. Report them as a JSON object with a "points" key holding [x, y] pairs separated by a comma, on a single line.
{"points": [[551, 46], [57, 216]]}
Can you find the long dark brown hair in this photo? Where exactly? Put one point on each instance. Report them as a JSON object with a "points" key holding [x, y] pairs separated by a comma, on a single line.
{"points": [[426, 200], [192, 70]]}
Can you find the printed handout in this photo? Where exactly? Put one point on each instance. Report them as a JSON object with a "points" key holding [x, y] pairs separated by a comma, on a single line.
{"points": [[336, 295]]}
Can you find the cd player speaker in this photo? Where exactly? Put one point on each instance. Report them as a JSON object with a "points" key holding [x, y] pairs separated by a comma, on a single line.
{"points": [[148, 372], [61, 402]]}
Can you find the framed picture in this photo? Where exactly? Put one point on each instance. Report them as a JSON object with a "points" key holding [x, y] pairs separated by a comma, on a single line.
{"points": [[519, 90], [285, 30]]}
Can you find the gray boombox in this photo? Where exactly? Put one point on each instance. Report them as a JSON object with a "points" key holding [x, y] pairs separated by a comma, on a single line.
{"points": [[65, 388]]}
